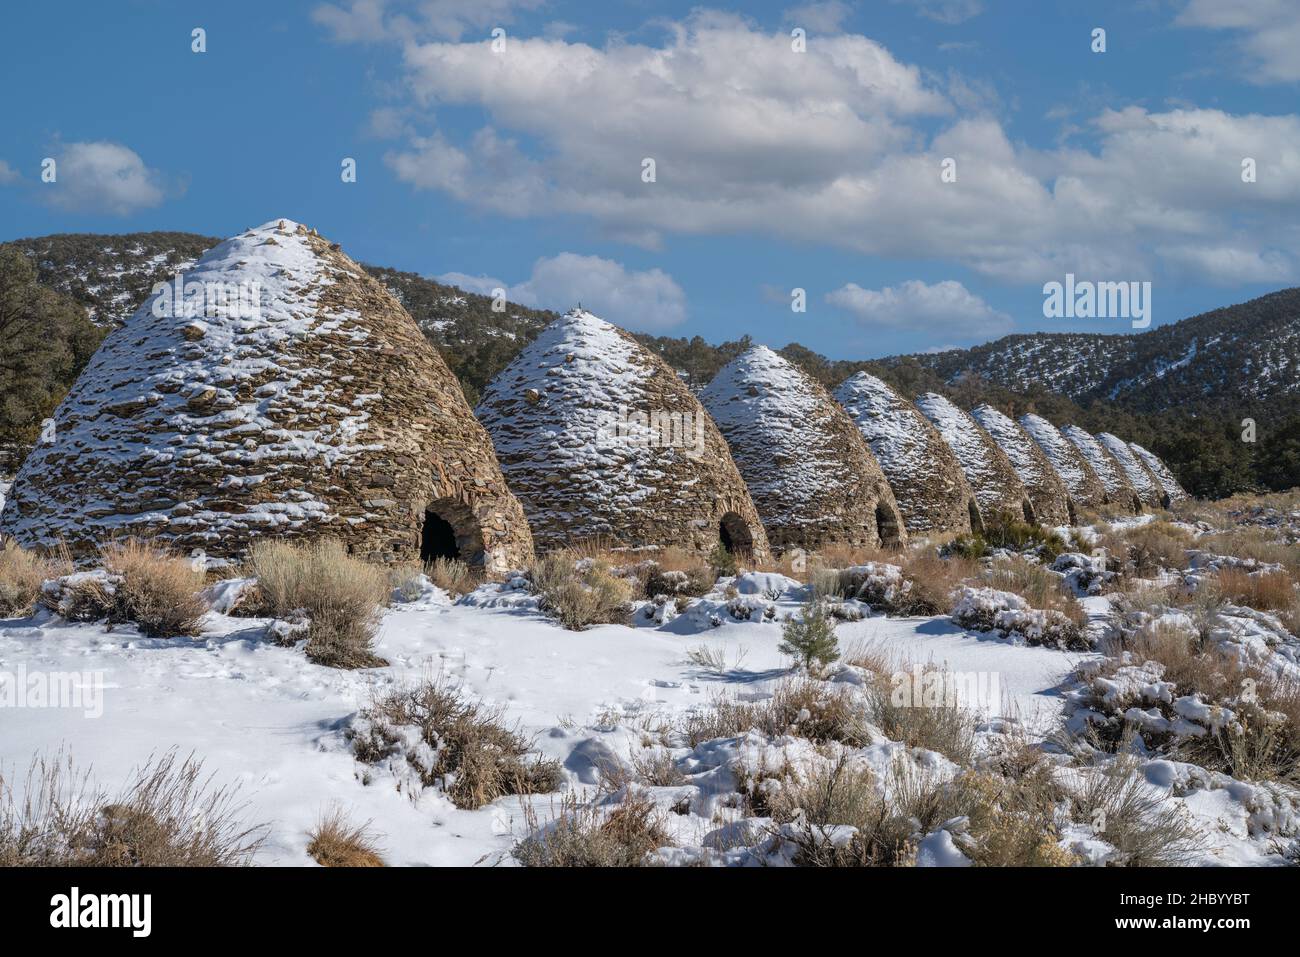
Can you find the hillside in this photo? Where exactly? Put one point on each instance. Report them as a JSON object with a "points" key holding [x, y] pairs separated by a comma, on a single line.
{"points": [[1249, 351], [1180, 390]]}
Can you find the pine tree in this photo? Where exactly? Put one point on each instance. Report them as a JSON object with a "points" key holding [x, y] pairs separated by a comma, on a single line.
{"points": [[810, 639]]}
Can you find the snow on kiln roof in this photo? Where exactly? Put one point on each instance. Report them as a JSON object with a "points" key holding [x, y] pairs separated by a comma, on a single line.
{"points": [[598, 437], [986, 467], [1118, 488], [925, 475], [1079, 478], [1142, 479], [278, 389], [1162, 472], [1046, 490], [811, 475]]}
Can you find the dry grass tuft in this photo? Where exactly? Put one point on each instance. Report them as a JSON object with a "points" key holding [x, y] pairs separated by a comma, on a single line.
{"points": [[453, 576], [22, 573], [580, 593], [158, 590], [799, 706], [339, 595], [1147, 831], [169, 816], [336, 842], [475, 757], [587, 836], [1038, 586]]}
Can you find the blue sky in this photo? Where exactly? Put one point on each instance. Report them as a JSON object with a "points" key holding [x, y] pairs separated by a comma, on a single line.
{"points": [[774, 168]]}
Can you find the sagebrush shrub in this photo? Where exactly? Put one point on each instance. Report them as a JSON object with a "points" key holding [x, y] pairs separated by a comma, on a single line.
{"points": [[582, 593], [155, 588]]}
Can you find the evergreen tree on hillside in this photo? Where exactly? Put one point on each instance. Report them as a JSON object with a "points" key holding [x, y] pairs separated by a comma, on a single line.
{"points": [[45, 341]]}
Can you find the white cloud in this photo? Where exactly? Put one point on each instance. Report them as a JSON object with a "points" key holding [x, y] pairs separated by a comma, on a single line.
{"points": [[839, 148], [946, 11], [7, 174], [372, 21], [1268, 34], [944, 308], [103, 177], [649, 301], [827, 16]]}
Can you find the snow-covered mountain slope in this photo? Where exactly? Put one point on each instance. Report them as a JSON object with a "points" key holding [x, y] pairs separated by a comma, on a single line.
{"points": [[928, 483], [809, 471], [1249, 351]]}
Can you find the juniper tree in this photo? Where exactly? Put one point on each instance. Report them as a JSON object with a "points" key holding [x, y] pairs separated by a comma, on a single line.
{"points": [[810, 638]]}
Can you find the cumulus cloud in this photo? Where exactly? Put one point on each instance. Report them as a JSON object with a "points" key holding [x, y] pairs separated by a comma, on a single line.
{"points": [[103, 177], [372, 21], [943, 308], [842, 148], [648, 301], [1267, 31], [7, 174]]}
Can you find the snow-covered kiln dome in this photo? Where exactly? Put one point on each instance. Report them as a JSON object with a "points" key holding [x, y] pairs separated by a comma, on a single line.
{"points": [[927, 480], [1142, 479], [280, 391], [1172, 488], [1119, 490], [998, 489], [808, 469], [1052, 502], [600, 439], [1080, 480]]}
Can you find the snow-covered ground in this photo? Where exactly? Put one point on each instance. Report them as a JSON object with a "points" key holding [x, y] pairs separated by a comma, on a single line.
{"points": [[261, 715]]}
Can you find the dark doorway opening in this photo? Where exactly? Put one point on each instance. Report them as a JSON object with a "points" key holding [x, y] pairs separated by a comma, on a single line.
{"points": [[887, 526], [437, 538], [734, 535], [1028, 509], [1073, 513], [976, 523]]}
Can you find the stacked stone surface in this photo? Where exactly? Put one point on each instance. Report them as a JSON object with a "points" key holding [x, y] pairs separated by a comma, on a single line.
{"points": [[316, 409], [601, 441], [997, 488], [1051, 500], [1119, 490], [808, 469], [1144, 481], [927, 480], [1162, 472], [1080, 480]]}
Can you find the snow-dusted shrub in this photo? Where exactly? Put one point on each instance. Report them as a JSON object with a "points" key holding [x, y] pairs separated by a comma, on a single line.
{"points": [[988, 609], [156, 589], [691, 581], [338, 595], [580, 593], [1133, 817], [1192, 700], [406, 581], [1085, 574], [1152, 547], [337, 842], [801, 707], [168, 816], [81, 596], [619, 831], [810, 638], [944, 725], [450, 742], [1039, 586], [21, 575]]}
